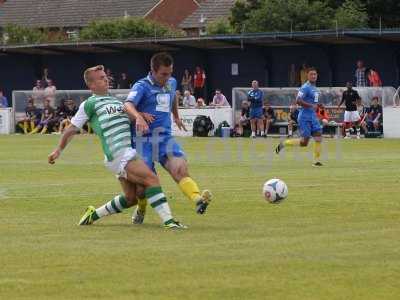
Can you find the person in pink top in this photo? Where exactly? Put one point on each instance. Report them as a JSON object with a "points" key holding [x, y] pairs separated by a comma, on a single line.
{"points": [[219, 99]]}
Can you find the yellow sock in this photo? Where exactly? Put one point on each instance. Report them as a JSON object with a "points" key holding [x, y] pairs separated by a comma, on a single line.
{"points": [[317, 151], [44, 130], [142, 203], [189, 187], [292, 142], [25, 127], [32, 125]]}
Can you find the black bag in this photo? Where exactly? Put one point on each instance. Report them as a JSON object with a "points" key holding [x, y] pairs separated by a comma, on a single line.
{"points": [[202, 126]]}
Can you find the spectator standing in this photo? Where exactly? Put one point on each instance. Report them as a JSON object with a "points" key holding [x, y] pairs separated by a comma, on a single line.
{"points": [[293, 76], [111, 80], [45, 77], [188, 100], [38, 91], [219, 99], [187, 81], [199, 83], [124, 82], [360, 74], [3, 100], [50, 92], [374, 78], [303, 73]]}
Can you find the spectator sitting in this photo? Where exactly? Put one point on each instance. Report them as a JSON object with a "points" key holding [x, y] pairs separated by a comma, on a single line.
{"points": [[70, 111], [178, 97], [50, 92], [374, 78], [188, 99], [360, 74], [322, 114], [244, 120], [219, 99], [269, 117], [47, 115], [374, 118], [363, 112], [60, 115], [3, 100], [124, 82], [187, 81], [292, 119], [200, 103], [32, 117]]}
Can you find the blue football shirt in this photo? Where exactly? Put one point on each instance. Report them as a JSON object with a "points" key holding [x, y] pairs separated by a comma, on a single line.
{"points": [[149, 97], [256, 98], [310, 94]]}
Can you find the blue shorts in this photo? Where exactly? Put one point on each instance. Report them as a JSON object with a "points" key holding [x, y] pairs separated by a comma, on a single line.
{"points": [[159, 150], [308, 126], [256, 113]]}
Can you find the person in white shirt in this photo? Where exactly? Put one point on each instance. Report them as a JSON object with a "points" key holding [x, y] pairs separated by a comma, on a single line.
{"points": [[188, 99], [50, 92], [219, 99]]}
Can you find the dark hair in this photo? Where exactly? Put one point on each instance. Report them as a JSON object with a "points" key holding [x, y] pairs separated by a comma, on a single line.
{"points": [[161, 59], [310, 69]]}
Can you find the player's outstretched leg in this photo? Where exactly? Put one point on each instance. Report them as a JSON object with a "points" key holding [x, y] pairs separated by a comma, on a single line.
{"points": [[116, 205], [287, 143], [138, 172], [177, 167]]}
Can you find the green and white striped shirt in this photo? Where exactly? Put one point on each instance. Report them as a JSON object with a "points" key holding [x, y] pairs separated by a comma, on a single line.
{"points": [[109, 121]]}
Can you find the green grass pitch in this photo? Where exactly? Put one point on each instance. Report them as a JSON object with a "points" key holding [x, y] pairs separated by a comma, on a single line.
{"points": [[335, 237]]}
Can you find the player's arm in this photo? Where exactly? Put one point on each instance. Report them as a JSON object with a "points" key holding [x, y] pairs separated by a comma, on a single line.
{"points": [[301, 102], [175, 114], [77, 123], [134, 97]]}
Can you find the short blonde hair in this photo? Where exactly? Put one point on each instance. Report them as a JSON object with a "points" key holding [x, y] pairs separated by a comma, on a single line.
{"points": [[87, 74]]}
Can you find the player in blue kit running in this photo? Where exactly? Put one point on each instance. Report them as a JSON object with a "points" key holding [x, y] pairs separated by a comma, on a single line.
{"points": [[256, 98], [152, 99], [308, 123]]}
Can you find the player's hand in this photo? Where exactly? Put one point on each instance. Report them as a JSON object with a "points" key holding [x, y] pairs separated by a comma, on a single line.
{"points": [[141, 125], [149, 118], [53, 156], [180, 124]]}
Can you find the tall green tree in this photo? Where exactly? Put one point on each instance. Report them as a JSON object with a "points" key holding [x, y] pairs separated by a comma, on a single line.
{"points": [[352, 14], [286, 15], [386, 10]]}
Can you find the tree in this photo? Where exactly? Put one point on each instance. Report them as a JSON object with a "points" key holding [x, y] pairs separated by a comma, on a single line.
{"points": [[386, 10], [297, 15], [241, 11], [219, 26], [352, 14]]}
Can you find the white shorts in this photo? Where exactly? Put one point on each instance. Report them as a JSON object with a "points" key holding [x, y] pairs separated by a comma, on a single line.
{"points": [[351, 116], [117, 166]]}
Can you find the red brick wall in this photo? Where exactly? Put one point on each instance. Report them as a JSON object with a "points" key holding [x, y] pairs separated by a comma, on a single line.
{"points": [[173, 12]]}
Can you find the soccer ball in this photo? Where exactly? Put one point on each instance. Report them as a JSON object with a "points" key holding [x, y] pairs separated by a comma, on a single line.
{"points": [[275, 190]]}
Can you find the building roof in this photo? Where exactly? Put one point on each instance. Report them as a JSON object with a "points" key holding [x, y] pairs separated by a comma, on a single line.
{"points": [[210, 9], [69, 13]]}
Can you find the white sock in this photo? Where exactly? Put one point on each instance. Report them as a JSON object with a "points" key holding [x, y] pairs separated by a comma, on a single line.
{"points": [[158, 201], [290, 132], [358, 131], [253, 133], [112, 207], [347, 132]]}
